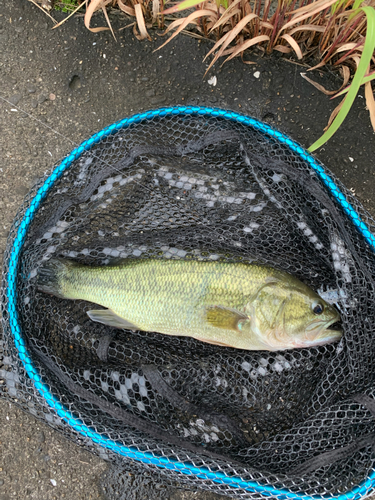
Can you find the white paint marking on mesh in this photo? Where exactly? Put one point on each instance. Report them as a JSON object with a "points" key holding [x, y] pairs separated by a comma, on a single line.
{"points": [[257, 208], [143, 391], [246, 366], [141, 406], [277, 367], [332, 296], [82, 174], [342, 260], [250, 228], [281, 364], [310, 235], [208, 432], [111, 181], [71, 253], [205, 188], [277, 178], [285, 364], [206, 437], [122, 395], [33, 273]]}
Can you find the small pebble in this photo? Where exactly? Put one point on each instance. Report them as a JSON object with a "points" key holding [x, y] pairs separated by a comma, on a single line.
{"points": [[10, 79], [158, 99], [3, 38], [15, 99], [41, 437], [30, 88], [42, 98]]}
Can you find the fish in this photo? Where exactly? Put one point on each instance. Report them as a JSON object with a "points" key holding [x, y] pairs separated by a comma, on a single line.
{"points": [[238, 305]]}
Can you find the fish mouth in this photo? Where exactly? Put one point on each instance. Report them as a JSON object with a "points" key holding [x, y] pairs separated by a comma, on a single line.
{"points": [[325, 333], [334, 326], [329, 335]]}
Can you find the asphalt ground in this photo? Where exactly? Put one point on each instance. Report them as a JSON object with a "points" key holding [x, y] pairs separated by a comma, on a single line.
{"points": [[64, 85]]}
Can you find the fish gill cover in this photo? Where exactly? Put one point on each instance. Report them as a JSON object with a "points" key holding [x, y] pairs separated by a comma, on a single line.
{"points": [[197, 184]]}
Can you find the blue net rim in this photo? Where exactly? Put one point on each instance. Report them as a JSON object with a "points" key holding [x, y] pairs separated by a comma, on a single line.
{"points": [[186, 468]]}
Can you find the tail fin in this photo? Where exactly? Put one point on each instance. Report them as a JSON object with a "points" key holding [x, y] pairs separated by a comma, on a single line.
{"points": [[52, 275]]}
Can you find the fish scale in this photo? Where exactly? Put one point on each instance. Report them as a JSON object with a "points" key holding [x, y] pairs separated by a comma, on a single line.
{"points": [[245, 306]]}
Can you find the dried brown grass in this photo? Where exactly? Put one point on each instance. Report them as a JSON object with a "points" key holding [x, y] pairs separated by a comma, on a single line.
{"points": [[332, 31]]}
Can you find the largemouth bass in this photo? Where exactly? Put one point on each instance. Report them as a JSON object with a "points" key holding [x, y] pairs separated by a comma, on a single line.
{"points": [[237, 305]]}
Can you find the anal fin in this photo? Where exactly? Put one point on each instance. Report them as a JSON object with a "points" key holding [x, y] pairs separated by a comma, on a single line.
{"points": [[108, 317]]}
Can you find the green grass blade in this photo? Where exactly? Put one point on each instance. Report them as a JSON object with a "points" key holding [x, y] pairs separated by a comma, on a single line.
{"points": [[366, 79], [337, 5], [368, 50], [357, 4], [186, 4], [355, 9]]}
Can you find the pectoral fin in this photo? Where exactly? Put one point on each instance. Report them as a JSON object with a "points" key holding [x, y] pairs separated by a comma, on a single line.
{"points": [[223, 317], [108, 317]]}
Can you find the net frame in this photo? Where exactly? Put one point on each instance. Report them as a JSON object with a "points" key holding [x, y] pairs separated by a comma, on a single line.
{"points": [[11, 323]]}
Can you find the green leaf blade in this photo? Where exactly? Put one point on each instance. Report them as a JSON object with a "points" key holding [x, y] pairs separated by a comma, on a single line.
{"points": [[186, 4], [367, 53]]}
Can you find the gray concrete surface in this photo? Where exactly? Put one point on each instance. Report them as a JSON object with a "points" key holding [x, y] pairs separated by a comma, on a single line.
{"points": [[74, 83]]}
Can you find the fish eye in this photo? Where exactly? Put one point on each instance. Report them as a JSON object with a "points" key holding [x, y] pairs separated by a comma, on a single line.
{"points": [[317, 308]]}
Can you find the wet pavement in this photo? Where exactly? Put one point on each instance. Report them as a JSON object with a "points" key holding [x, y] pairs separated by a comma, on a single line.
{"points": [[62, 86]]}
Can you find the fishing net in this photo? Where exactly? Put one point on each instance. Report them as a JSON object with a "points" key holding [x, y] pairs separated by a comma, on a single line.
{"points": [[203, 184]]}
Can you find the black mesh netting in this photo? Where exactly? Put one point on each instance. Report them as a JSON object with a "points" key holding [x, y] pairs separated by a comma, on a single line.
{"points": [[206, 188]]}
